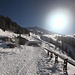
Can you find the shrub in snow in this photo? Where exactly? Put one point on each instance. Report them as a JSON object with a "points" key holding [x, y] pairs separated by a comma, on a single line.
{"points": [[22, 40], [5, 38], [34, 43], [11, 45]]}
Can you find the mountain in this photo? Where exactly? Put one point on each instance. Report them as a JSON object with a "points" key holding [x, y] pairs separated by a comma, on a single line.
{"points": [[33, 57], [38, 30], [7, 24]]}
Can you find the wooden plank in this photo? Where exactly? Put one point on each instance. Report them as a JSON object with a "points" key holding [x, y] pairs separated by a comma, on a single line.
{"points": [[61, 56]]}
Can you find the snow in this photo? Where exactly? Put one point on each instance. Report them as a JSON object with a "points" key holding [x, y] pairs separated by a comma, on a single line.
{"points": [[22, 63], [7, 33], [29, 60]]}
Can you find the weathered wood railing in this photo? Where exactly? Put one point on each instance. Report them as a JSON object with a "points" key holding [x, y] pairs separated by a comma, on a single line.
{"points": [[66, 60]]}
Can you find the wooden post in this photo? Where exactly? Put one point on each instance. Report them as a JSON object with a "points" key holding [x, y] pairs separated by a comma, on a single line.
{"points": [[56, 58], [51, 55], [65, 65], [47, 53]]}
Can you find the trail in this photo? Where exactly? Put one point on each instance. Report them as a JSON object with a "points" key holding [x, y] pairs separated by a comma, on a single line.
{"points": [[29, 67], [23, 62]]}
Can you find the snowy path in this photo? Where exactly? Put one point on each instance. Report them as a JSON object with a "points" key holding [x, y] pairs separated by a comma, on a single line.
{"points": [[22, 63], [29, 68]]}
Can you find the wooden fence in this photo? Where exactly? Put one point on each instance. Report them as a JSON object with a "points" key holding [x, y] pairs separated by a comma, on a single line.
{"points": [[66, 60]]}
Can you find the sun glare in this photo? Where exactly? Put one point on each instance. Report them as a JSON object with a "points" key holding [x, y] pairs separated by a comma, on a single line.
{"points": [[58, 21]]}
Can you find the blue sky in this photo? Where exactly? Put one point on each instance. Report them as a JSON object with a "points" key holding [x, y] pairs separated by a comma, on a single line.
{"points": [[33, 12]]}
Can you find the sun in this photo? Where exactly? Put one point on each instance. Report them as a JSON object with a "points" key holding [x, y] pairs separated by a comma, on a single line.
{"points": [[58, 21]]}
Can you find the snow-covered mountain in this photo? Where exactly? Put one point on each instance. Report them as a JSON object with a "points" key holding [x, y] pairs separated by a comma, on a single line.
{"points": [[7, 24], [31, 59], [48, 36], [38, 30]]}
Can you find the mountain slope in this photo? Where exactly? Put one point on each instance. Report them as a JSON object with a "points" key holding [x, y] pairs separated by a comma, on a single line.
{"points": [[38, 30], [31, 60], [7, 24]]}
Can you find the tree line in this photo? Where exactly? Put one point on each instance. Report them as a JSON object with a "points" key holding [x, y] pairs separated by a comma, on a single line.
{"points": [[7, 24]]}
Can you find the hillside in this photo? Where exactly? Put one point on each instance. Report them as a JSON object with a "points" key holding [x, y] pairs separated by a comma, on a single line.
{"points": [[67, 41], [7, 24], [31, 59], [38, 30]]}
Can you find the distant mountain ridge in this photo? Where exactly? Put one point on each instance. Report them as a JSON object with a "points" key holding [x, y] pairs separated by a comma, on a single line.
{"points": [[38, 30], [7, 24]]}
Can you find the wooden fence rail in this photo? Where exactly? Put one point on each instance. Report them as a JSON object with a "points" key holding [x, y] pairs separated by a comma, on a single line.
{"points": [[66, 60]]}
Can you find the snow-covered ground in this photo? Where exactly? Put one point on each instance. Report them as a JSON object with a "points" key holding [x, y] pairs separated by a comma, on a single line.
{"points": [[27, 60], [7, 33], [30, 60]]}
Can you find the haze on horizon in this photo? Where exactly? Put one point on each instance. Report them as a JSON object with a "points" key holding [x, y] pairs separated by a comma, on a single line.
{"points": [[39, 12]]}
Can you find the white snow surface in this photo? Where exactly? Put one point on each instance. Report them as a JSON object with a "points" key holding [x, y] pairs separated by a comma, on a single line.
{"points": [[30, 60], [7, 33]]}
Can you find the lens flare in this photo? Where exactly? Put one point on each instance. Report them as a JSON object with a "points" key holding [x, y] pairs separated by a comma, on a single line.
{"points": [[58, 21]]}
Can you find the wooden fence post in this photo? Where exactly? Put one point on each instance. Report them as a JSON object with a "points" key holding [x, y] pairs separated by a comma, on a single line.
{"points": [[51, 55], [47, 53], [65, 65], [56, 58]]}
